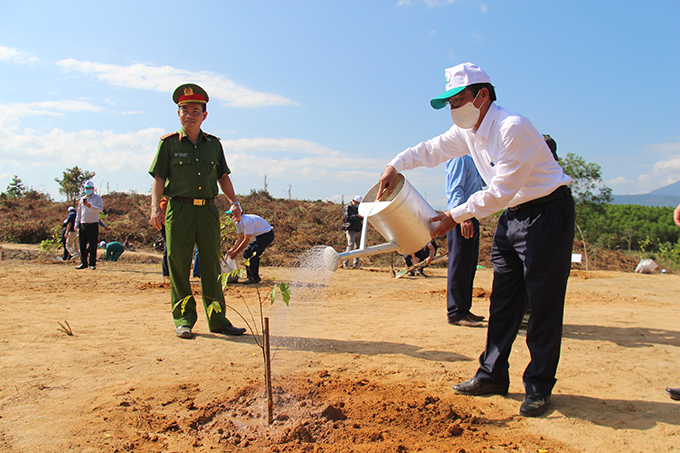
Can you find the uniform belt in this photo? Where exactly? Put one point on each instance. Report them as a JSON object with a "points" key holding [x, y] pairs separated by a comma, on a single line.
{"points": [[558, 193], [194, 201]]}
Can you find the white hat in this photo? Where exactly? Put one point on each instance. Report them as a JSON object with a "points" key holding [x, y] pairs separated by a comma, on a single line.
{"points": [[357, 198], [457, 79], [71, 208], [89, 184]]}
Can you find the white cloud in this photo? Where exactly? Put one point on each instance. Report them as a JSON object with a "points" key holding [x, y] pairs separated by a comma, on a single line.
{"points": [[618, 181], [301, 159], [10, 113], [166, 79], [15, 56], [437, 3], [484, 8], [87, 148]]}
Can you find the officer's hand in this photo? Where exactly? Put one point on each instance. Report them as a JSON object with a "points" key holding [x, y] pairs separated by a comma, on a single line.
{"points": [[446, 223], [156, 218], [467, 228], [388, 181]]}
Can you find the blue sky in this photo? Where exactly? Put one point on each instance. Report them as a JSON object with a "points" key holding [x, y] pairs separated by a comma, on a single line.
{"points": [[319, 95]]}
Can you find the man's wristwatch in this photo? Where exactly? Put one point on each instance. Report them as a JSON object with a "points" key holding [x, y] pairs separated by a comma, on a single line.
{"points": [[236, 203]]}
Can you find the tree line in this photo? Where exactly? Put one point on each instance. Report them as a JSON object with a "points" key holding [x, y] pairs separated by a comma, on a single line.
{"points": [[599, 223]]}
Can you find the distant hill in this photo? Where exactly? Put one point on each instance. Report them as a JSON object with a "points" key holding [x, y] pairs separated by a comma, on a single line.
{"points": [[665, 196], [648, 199], [671, 189]]}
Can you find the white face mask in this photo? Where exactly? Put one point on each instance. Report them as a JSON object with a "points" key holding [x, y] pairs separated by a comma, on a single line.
{"points": [[466, 116]]}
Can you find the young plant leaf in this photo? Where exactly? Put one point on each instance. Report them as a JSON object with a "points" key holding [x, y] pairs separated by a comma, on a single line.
{"points": [[285, 293], [182, 304], [215, 307], [224, 280]]}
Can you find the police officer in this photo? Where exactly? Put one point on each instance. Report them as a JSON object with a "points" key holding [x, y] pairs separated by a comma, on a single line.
{"points": [[188, 168]]}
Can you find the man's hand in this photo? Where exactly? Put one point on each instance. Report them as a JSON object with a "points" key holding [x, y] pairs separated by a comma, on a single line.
{"points": [[467, 228], [156, 218], [446, 223], [388, 181], [236, 211]]}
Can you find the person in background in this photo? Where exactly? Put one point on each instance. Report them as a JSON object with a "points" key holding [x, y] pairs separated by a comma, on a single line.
{"points": [[462, 180], [189, 169], [69, 235], [87, 219], [197, 265], [253, 236], [113, 250], [674, 393], [425, 254], [352, 225], [531, 248]]}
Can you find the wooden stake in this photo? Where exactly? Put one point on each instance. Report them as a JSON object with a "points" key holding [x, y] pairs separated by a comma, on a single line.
{"points": [[268, 372]]}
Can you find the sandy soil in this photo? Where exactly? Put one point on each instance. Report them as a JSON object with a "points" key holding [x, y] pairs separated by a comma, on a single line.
{"points": [[366, 367]]}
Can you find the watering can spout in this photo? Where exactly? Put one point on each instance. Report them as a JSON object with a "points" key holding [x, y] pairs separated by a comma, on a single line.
{"points": [[332, 259]]}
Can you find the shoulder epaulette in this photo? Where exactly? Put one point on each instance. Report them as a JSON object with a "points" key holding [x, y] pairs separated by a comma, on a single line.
{"points": [[212, 136], [169, 135]]}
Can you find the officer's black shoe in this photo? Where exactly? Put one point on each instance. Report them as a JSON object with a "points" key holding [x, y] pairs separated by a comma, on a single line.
{"points": [[82, 266], [475, 388], [534, 405], [673, 393], [230, 330]]}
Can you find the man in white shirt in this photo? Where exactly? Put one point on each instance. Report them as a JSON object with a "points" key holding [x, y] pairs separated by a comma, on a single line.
{"points": [[531, 251], [250, 226], [87, 220]]}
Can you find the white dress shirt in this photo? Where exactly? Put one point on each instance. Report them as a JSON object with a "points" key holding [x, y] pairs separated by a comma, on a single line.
{"points": [[510, 154], [90, 215], [253, 225]]}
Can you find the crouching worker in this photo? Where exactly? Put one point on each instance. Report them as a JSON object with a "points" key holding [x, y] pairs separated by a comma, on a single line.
{"points": [[250, 226], [113, 250]]}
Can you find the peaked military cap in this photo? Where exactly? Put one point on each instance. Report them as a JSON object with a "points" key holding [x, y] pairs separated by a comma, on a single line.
{"points": [[189, 93]]}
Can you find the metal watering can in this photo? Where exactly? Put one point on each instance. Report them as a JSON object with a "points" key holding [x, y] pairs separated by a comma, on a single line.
{"points": [[403, 218]]}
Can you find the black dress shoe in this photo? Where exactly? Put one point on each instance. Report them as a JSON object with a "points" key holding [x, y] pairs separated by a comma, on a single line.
{"points": [[230, 330], [534, 405], [673, 393], [474, 387], [475, 317], [82, 266]]}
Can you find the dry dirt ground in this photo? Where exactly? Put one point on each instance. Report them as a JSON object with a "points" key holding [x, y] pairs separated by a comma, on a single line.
{"points": [[366, 366]]}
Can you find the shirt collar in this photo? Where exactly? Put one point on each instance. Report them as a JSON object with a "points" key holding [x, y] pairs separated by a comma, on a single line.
{"points": [[485, 128], [201, 135]]}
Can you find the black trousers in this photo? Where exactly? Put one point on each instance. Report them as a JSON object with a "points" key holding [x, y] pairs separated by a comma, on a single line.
{"points": [[531, 255], [463, 258], [88, 237], [254, 251]]}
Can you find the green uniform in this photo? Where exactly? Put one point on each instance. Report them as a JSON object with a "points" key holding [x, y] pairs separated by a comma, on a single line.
{"points": [[191, 172]]}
